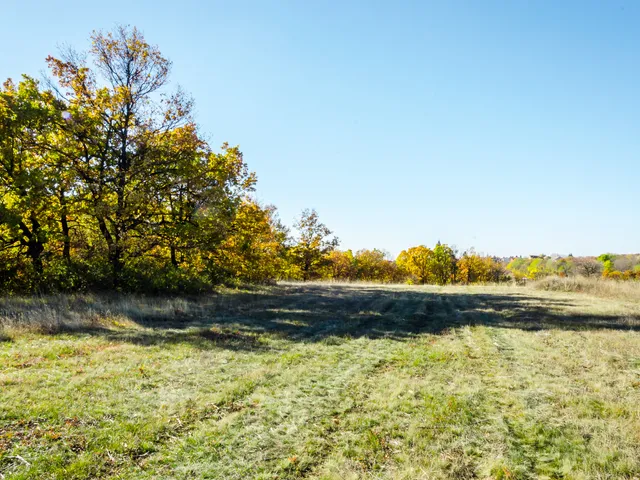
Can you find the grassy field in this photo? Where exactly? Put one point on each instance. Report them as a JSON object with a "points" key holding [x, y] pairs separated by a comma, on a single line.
{"points": [[322, 382]]}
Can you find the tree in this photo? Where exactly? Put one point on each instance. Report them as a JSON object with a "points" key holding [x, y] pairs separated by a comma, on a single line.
{"points": [[313, 243], [373, 266], [519, 267], [623, 263], [473, 268], [28, 177], [117, 116], [429, 266], [253, 252], [443, 264], [199, 197], [564, 267], [340, 265], [607, 259], [417, 262], [109, 174]]}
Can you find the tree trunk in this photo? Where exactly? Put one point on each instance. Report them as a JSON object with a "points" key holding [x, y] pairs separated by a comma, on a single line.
{"points": [[34, 251], [115, 258], [64, 223], [174, 258], [115, 251], [34, 244]]}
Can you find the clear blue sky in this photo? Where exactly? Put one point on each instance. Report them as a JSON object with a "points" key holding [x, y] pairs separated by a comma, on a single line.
{"points": [[513, 127]]}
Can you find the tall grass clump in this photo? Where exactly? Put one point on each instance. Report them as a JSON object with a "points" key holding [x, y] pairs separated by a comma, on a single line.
{"points": [[69, 312], [598, 286], [57, 313]]}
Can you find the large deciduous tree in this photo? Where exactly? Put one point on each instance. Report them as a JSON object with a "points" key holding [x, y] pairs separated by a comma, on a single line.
{"points": [[118, 115], [145, 176]]}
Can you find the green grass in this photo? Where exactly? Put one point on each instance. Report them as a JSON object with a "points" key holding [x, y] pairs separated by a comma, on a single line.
{"points": [[322, 382]]}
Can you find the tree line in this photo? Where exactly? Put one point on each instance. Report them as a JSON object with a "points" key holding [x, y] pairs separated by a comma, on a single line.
{"points": [[107, 182], [607, 265], [105, 179]]}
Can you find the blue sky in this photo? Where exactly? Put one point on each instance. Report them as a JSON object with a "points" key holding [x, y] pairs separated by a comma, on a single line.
{"points": [[513, 127]]}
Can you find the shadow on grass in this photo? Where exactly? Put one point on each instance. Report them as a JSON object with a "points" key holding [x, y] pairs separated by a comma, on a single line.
{"points": [[313, 312]]}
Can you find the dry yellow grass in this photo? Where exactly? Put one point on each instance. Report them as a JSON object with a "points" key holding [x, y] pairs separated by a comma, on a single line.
{"points": [[601, 287]]}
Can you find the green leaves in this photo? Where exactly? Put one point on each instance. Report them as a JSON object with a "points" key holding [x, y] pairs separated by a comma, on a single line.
{"points": [[109, 173], [312, 245]]}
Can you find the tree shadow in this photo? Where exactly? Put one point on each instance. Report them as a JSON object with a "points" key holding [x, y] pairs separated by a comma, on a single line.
{"points": [[315, 312]]}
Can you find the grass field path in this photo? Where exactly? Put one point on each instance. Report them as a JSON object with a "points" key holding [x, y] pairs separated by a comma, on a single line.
{"points": [[325, 382]]}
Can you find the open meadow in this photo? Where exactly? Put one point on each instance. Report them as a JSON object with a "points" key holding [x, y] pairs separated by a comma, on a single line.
{"points": [[322, 381], [422, 263]]}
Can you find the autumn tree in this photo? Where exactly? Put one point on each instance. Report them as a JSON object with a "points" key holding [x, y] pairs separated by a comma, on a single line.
{"points": [[107, 171], [417, 262], [29, 178], [199, 197], [313, 243], [117, 111], [471, 268], [429, 266], [607, 259], [443, 264], [253, 251], [374, 266], [564, 267], [340, 265], [474, 268], [366, 265]]}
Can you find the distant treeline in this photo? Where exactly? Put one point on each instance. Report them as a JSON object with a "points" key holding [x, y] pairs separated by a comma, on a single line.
{"points": [[608, 265], [416, 265], [442, 265], [106, 182]]}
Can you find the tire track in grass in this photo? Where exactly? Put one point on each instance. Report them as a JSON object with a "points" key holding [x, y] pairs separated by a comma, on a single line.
{"points": [[405, 413], [349, 390], [536, 435], [586, 397], [153, 429], [492, 359], [360, 386], [537, 443], [285, 433]]}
